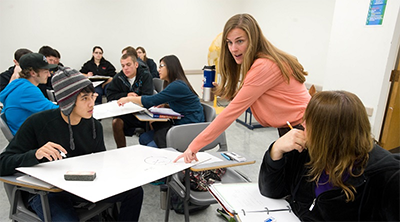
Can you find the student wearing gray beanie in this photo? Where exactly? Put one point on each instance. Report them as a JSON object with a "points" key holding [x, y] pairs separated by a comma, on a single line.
{"points": [[67, 84], [69, 129]]}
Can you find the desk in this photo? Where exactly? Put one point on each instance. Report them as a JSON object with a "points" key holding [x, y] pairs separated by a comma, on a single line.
{"points": [[223, 163], [117, 170], [15, 194]]}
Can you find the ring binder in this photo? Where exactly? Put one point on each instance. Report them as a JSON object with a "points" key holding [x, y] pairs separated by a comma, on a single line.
{"points": [[245, 202]]}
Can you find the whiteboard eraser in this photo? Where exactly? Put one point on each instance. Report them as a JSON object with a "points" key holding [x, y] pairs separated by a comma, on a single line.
{"points": [[80, 175]]}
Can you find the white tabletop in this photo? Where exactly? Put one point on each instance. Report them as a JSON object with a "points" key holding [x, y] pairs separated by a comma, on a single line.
{"points": [[117, 170]]}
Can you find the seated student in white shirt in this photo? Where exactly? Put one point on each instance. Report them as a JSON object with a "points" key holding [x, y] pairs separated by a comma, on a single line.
{"points": [[72, 130]]}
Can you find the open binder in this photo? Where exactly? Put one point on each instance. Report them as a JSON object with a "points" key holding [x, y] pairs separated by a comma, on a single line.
{"points": [[245, 202]]}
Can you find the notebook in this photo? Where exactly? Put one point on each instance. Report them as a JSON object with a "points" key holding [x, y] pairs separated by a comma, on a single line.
{"points": [[245, 201]]}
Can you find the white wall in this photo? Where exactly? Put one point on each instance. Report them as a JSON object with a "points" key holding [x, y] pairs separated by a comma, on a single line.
{"points": [[73, 27], [360, 57], [301, 28], [181, 27]]}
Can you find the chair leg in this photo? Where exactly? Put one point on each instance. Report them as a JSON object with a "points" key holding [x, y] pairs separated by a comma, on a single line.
{"points": [[45, 205], [168, 200], [187, 195]]}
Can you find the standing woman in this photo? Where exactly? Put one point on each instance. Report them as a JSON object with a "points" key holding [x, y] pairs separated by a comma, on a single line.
{"points": [[98, 66], [178, 94], [141, 52], [254, 74]]}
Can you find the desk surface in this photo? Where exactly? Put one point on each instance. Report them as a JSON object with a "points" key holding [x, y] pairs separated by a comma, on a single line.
{"points": [[116, 170], [13, 180], [220, 164]]}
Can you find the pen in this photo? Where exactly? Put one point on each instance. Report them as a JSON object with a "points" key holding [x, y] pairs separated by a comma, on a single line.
{"points": [[225, 156], [290, 126]]}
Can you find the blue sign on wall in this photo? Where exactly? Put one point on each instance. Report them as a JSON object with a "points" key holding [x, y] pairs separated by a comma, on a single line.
{"points": [[376, 12]]}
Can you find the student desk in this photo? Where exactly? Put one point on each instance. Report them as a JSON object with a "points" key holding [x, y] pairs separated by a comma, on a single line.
{"points": [[116, 170], [222, 163], [15, 195]]}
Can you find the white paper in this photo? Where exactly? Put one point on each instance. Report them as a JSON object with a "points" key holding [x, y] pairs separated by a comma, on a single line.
{"points": [[111, 109]]}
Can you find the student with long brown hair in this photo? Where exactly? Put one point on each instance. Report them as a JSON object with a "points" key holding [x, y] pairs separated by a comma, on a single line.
{"points": [[254, 74], [332, 171]]}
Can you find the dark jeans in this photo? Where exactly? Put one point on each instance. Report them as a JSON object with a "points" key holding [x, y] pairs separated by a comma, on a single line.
{"points": [[61, 205], [99, 90], [147, 139]]}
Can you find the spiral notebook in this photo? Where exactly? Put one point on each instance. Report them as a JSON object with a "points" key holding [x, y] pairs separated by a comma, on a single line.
{"points": [[245, 201]]}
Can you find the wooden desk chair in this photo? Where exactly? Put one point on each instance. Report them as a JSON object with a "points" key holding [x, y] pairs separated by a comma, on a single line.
{"points": [[179, 137], [17, 192], [4, 128]]}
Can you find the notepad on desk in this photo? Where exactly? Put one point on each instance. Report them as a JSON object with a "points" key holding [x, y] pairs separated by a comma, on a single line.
{"points": [[245, 201]]}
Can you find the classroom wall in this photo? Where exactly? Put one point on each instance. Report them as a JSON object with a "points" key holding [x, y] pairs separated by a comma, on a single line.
{"points": [[360, 58], [181, 27], [73, 27]]}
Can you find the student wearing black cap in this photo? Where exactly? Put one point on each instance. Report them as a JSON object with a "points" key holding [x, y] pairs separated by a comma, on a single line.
{"points": [[72, 130], [21, 98]]}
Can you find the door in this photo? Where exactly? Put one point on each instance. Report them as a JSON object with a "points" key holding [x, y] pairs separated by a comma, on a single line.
{"points": [[390, 134]]}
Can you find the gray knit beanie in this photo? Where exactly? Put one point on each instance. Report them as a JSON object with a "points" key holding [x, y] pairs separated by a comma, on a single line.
{"points": [[67, 83]]}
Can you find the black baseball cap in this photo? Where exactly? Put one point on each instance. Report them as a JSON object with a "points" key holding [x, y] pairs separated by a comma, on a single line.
{"points": [[36, 61]]}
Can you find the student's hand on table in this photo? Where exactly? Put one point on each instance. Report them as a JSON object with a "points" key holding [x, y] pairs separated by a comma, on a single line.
{"points": [[50, 151], [122, 101], [293, 140], [90, 74], [188, 156], [132, 94]]}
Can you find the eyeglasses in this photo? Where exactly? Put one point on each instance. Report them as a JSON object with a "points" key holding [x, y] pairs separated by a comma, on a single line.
{"points": [[161, 65]]}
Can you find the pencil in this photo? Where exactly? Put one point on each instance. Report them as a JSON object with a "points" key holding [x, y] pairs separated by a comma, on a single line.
{"points": [[290, 126]]}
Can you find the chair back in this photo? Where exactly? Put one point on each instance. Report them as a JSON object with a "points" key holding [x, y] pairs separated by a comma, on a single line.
{"points": [[209, 112], [180, 136], [50, 95], [158, 84], [4, 128]]}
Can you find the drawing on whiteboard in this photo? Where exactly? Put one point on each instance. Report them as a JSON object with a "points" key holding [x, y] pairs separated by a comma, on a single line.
{"points": [[157, 160]]}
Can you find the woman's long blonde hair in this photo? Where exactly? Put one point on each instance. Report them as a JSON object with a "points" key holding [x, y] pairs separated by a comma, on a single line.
{"points": [[233, 74], [338, 138]]}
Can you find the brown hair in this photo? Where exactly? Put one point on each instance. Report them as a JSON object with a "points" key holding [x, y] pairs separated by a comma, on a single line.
{"points": [[338, 137], [26, 73], [144, 51], [175, 71], [131, 55], [131, 50], [259, 47]]}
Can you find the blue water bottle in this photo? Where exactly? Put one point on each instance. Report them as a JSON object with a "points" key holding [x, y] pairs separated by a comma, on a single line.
{"points": [[209, 78]]}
